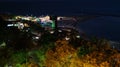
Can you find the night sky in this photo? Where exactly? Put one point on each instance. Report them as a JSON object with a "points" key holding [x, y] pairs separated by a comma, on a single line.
{"points": [[60, 6]]}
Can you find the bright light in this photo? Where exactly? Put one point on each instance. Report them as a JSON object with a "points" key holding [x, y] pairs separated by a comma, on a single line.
{"points": [[26, 25], [78, 36], [20, 25], [17, 17], [58, 18], [67, 38], [16, 25], [9, 25], [47, 18], [36, 37], [42, 19], [51, 32]]}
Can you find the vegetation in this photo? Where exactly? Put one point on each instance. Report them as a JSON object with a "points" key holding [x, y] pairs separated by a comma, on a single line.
{"points": [[63, 54]]}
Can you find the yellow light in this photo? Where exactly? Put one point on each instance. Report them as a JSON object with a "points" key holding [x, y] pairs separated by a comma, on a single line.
{"points": [[47, 17]]}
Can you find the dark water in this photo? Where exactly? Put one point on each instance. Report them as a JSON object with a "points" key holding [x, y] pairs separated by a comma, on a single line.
{"points": [[103, 27]]}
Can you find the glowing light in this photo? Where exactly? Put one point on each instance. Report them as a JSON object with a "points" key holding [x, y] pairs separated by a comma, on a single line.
{"points": [[51, 32], [67, 38], [20, 25], [36, 37], [59, 18], [9, 25], [26, 25], [15, 24], [53, 24], [47, 17], [78, 36], [17, 17], [59, 30]]}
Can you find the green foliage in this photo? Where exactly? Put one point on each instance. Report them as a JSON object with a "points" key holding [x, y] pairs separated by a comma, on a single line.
{"points": [[18, 58], [38, 56], [47, 41], [94, 39], [83, 51], [18, 65], [41, 56], [49, 37]]}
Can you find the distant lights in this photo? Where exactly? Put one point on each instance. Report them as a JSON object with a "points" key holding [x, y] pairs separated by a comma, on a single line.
{"points": [[26, 25], [36, 37], [16, 25], [78, 36], [18, 17], [9, 25], [11, 19], [47, 17], [51, 32], [20, 25], [67, 38], [59, 30], [59, 18]]}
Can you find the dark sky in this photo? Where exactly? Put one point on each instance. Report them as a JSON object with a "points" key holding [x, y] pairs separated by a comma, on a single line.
{"points": [[65, 7], [47, 0]]}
